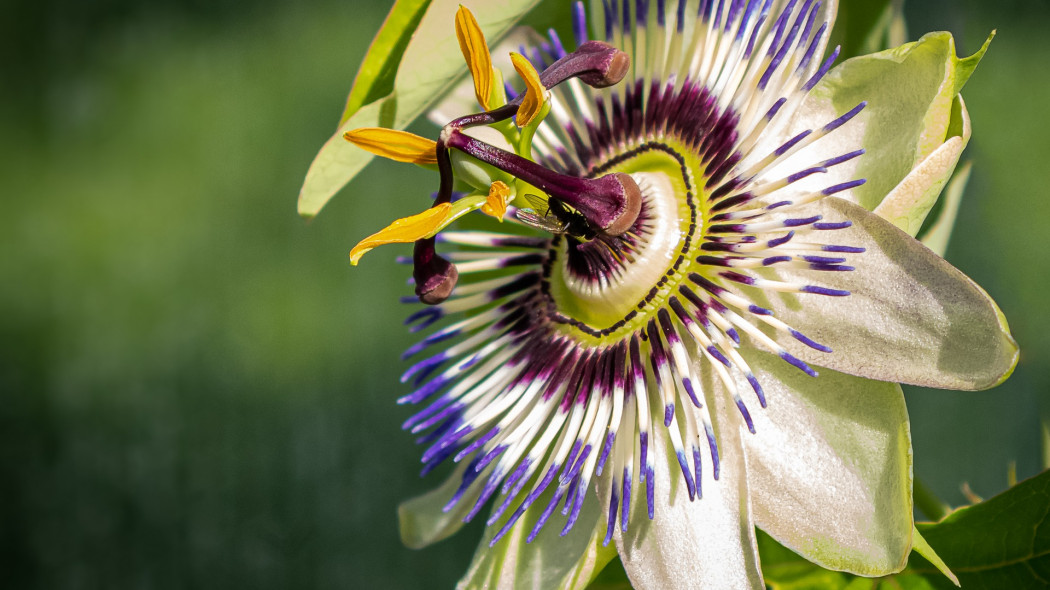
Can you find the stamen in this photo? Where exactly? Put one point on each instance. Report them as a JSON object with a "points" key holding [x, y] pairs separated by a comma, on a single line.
{"points": [[610, 203]]}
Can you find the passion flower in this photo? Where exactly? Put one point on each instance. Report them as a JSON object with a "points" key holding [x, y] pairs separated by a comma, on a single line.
{"points": [[695, 325]]}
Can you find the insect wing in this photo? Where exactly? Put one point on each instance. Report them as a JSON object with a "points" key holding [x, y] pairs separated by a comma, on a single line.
{"points": [[546, 223]]}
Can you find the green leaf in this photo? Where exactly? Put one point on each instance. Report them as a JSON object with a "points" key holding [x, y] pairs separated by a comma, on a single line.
{"points": [[430, 65], [375, 77], [867, 26], [1003, 542]]}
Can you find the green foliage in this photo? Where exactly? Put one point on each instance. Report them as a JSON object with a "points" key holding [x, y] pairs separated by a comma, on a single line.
{"points": [[1003, 542], [375, 78], [867, 26]]}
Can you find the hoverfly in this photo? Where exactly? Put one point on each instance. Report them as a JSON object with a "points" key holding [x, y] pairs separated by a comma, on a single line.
{"points": [[551, 215]]}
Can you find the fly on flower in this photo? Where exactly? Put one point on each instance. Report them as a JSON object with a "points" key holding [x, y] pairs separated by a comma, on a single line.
{"points": [[697, 324]]}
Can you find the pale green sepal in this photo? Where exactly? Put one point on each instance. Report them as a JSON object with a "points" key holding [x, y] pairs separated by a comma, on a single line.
{"points": [[910, 317], [940, 229], [422, 520], [378, 68], [910, 92], [850, 434], [923, 548], [431, 64], [910, 201], [705, 543], [549, 561]]}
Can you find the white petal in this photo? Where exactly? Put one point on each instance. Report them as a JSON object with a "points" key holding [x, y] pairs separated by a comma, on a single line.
{"points": [[829, 467], [911, 317], [706, 543]]}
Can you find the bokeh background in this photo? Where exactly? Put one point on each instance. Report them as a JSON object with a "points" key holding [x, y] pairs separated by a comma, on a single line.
{"points": [[197, 390]]}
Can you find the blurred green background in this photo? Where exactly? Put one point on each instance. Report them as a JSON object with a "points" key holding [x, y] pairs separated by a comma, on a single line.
{"points": [[197, 388]]}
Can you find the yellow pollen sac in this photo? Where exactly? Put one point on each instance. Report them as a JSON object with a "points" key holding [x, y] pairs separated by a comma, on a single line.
{"points": [[496, 204], [534, 90], [406, 229], [401, 146], [476, 54]]}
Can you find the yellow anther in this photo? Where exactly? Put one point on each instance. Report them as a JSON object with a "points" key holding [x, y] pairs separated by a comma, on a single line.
{"points": [[396, 145], [496, 204], [476, 54], [535, 93], [407, 229]]}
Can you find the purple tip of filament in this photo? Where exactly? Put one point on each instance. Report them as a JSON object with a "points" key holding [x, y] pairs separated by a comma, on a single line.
{"points": [[774, 260], [626, 512], [486, 493], [747, 415], [732, 333], [717, 354], [843, 249], [424, 392], [698, 474], [407, 298], [680, 16], [831, 267], [824, 259], [515, 475], [783, 149], [688, 383], [778, 205], [832, 225], [477, 444], [716, 464], [684, 464], [641, 12], [427, 342], [803, 221], [824, 291], [808, 342], [650, 491], [579, 23], [556, 45], [845, 186], [577, 504], [839, 122], [843, 158], [804, 173], [661, 13], [490, 456], [758, 389], [775, 108], [425, 366], [468, 478], [610, 525], [798, 363], [668, 414], [812, 48], [425, 317], [545, 516], [824, 67], [781, 240], [643, 444], [609, 438]]}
